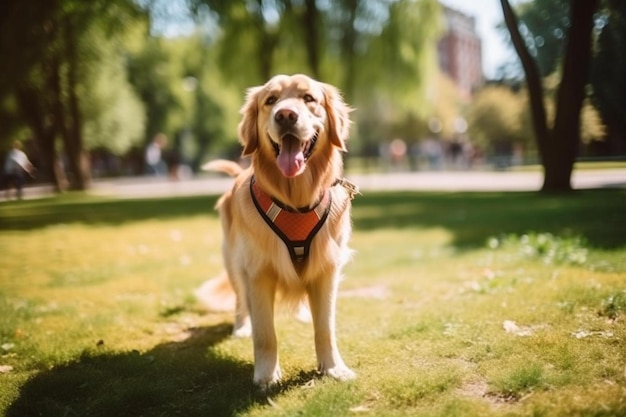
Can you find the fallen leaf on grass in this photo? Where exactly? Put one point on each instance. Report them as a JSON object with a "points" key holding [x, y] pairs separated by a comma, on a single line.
{"points": [[582, 334], [359, 409], [7, 346], [308, 384], [5, 369], [511, 327]]}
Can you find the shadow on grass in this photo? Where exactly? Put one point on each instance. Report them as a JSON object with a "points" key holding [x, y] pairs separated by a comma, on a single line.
{"points": [[81, 209], [187, 378], [596, 215]]}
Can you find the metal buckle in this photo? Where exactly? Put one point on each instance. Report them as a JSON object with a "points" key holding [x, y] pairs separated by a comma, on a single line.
{"points": [[350, 187]]}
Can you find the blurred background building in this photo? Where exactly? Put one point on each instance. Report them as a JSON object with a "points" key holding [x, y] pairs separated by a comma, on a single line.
{"points": [[460, 51]]}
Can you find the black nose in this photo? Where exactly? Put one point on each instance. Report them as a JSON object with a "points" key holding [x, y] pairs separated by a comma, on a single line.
{"points": [[286, 117]]}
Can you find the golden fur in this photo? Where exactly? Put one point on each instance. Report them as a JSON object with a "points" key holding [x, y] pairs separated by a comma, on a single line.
{"points": [[257, 262]]}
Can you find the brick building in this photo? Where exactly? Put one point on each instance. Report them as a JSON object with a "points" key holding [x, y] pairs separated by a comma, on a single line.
{"points": [[460, 51]]}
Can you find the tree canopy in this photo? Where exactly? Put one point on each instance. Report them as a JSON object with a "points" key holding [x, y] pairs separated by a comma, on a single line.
{"points": [[53, 52], [558, 142], [544, 26], [111, 74], [91, 75]]}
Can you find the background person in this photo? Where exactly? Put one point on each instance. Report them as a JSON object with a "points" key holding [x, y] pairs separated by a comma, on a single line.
{"points": [[16, 166], [154, 156]]}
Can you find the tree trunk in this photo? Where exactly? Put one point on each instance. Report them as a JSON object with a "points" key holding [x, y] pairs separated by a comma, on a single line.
{"points": [[73, 138], [558, 147], [59, 119], [565, 141], [533, 81], [266, 43], [44, 135], [310, 22], [348, 48]]}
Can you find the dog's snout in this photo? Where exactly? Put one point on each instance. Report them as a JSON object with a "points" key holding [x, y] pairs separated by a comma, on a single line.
{"points": [[286, 117]]}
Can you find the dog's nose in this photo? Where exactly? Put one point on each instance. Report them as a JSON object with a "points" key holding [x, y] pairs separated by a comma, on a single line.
{"points": [[286, 117]]}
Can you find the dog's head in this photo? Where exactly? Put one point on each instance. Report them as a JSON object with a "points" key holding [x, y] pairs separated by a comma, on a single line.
{"points": [[290, 118]]}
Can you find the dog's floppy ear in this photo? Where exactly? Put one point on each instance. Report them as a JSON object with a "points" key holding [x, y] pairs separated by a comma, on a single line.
{"points": [[248, 132], [338, 113]]}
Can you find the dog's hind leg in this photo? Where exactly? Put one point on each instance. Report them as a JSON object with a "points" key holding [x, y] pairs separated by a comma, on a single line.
{"points": [[242, 326]]}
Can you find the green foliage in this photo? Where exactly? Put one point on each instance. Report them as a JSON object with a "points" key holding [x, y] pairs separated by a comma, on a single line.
{"points": [[500, 115], [607, 73], [211, 105], [558, 144], [495, 116], [614, 305], [337, 44], [114, 117], [14, 126], [237, 44], [592, 126], [240, 43], [52, 74], [185, 94], [447, 104], [150, 73], [545, 24], [545, 246], [520, 381], [405, 52], [410, 387]]}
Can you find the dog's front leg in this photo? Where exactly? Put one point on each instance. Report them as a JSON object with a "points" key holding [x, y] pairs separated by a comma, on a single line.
{"points": [[261, 306], [322, 298]]}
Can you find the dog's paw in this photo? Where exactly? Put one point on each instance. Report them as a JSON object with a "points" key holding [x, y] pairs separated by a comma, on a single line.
{"points": [[265, 383], [243, 331], [340, 373]]}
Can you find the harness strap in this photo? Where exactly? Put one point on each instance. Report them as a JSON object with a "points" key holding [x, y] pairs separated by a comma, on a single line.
{"points": [[296, 228]]}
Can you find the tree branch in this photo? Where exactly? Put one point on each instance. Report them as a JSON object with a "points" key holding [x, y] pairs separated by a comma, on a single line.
{"points": [[533, 79]]}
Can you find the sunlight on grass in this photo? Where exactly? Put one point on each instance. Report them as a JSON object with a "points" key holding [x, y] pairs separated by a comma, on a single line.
{"points": [[97, 311]]}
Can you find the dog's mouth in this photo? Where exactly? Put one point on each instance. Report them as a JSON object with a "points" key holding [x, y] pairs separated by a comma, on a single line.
{"points": [[293, 153]]}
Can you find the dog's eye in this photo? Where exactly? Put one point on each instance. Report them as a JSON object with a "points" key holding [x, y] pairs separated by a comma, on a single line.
{"points": [[308, 98], [271, 100]]}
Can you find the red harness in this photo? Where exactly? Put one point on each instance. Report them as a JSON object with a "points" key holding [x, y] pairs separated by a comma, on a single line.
{"points": [[296, 228]]}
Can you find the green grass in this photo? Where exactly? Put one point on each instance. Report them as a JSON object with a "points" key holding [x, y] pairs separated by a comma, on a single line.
{"points": [[360, 165], [464, 304], [578, 166]]}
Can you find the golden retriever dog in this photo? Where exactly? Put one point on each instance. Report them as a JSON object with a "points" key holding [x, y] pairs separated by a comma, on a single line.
{"points": [[286, 221]]}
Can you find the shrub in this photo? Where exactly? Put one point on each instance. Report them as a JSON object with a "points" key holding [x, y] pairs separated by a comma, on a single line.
{"points": [[545, 246]]}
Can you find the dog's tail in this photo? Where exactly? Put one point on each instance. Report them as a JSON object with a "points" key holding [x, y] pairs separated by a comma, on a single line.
{"points": [[222, 165], [217, 294]]}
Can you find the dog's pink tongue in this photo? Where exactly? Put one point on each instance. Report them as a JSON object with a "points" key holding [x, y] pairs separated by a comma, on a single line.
{"points": [[291, 158]]}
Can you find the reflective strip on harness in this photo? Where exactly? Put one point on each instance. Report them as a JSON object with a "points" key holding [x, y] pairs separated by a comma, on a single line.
{"points": [[295, 227]]}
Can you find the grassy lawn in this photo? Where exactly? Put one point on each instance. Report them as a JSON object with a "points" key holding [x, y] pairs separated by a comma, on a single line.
{"points": [[359, 165], [464, 304]]}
